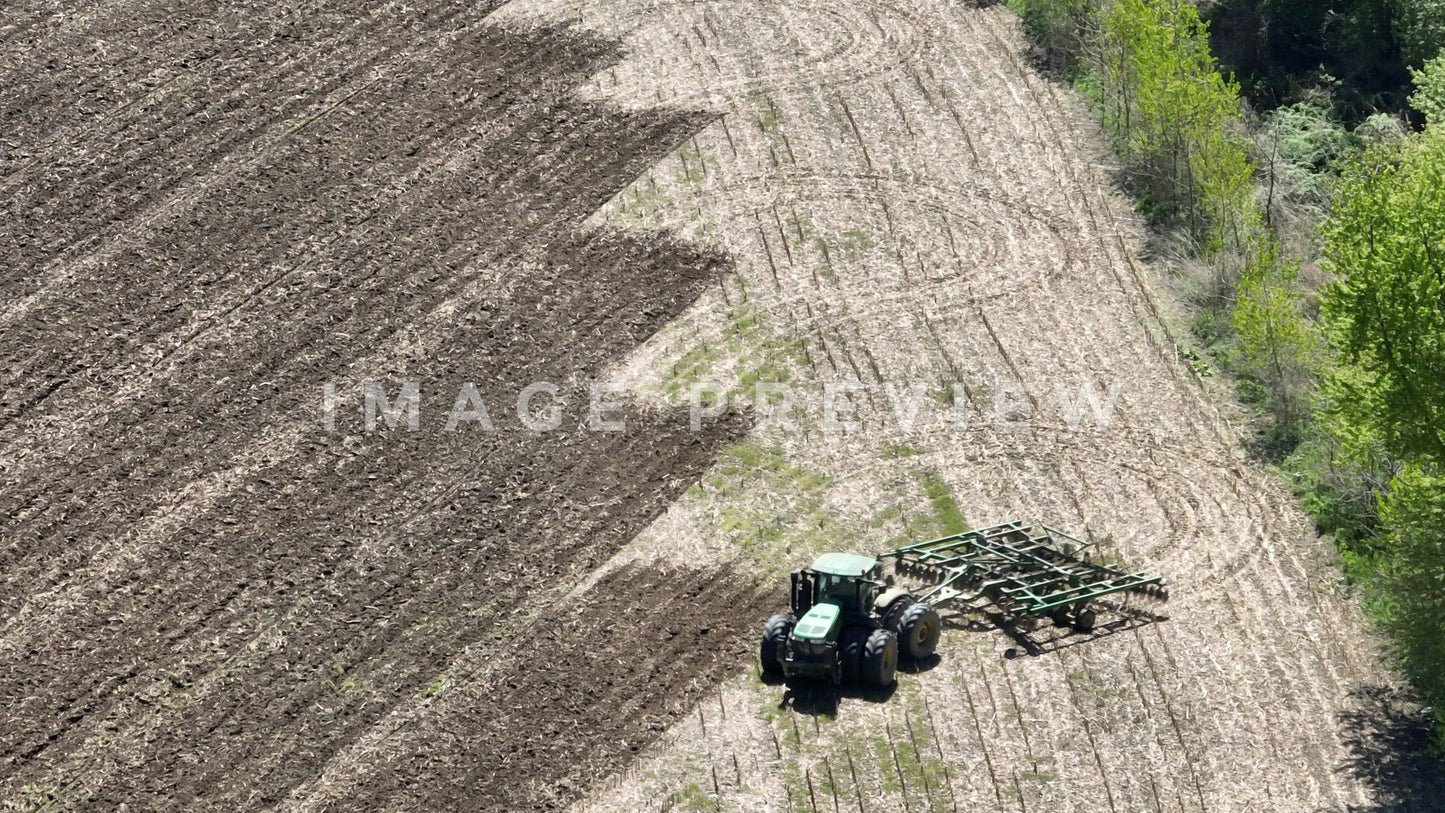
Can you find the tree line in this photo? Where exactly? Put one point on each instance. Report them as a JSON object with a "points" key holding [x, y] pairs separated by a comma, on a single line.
{"points": [[1306, 216]]}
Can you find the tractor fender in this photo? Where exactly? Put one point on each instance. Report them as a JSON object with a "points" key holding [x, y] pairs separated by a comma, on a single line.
{"points": [[889, 600]]}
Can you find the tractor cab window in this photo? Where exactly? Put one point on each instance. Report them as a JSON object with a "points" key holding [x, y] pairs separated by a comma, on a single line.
{"points": [[839, 589]]}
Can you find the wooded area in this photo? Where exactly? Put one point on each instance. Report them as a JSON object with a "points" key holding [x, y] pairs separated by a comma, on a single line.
{"points": [[1292, 158]]}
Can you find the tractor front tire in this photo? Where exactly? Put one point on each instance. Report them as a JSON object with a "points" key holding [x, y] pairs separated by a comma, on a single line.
{"points": [[775, 637], [918, 630], [850, 646], [880, 658]]}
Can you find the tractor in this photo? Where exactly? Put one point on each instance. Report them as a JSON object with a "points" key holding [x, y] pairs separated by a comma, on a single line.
{"points": [[847, 625]]}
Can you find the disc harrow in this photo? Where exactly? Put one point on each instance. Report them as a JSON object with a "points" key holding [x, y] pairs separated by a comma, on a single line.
{"points": [[1025, 571]]}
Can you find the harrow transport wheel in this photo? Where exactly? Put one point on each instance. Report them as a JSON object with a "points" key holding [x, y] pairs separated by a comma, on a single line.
{"points": [[850, 645], [775, 635], [880, 658], [918, 630], [1084, 621]]}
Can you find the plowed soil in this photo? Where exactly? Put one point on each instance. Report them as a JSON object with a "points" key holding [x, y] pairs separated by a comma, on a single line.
{"points": [[213, 209]]}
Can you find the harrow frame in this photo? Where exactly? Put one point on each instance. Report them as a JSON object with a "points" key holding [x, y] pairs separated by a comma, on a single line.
{"points": [[1024, 570]]}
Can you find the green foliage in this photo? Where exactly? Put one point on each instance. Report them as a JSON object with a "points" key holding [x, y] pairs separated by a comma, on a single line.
{"points": [[1386, 316], [1338, 471], [1173, 118], [1420, 27], [1411, 603], [1309, 136], [1277, 343], [1251, 392], [1307, 141], [1429, 95], [1385, 242], [1356, 49]]}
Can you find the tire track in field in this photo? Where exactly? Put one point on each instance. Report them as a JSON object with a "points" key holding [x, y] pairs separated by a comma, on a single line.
{"points": [[1284, 581], [953, 132], [859, 42]]}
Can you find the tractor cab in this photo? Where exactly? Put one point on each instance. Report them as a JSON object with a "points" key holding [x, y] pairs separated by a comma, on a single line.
{"points": [[847, 580]]}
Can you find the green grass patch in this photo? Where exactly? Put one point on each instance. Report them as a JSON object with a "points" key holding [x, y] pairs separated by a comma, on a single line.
{"points": [[639, 203], [944, 518], [689, 797], [757, 357], [945, 508], [776, 511], [768, 119], [893, 451]]}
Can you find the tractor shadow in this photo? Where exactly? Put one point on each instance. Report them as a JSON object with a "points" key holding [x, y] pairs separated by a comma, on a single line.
{"points": [[1045, 637], [821, 699], [1388, 735]]}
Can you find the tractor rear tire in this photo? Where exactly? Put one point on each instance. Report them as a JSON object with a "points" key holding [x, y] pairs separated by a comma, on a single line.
{"points": [[918, 630], [880, 658], [893, 613], [775, 637], [850, 647]]}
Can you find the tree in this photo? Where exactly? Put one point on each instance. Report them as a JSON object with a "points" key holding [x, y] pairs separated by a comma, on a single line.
{"points": [[1385, 242], [1360, 49], [1055, 26], [1421, 24], [1174, 119]]}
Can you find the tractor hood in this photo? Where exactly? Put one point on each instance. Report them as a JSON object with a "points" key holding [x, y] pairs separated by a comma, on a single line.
{"points": [[817, 622]]}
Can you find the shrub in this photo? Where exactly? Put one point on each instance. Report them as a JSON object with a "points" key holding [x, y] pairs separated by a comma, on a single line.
{"points": [[1277, 344], [1429, 95], [1305, 142]]}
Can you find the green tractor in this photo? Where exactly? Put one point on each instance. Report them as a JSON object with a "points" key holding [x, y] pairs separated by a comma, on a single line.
{"points": [[846, 625]]}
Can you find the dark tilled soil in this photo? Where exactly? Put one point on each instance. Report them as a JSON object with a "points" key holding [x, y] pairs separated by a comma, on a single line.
{"points": [[211, 209], [648, 643]]}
